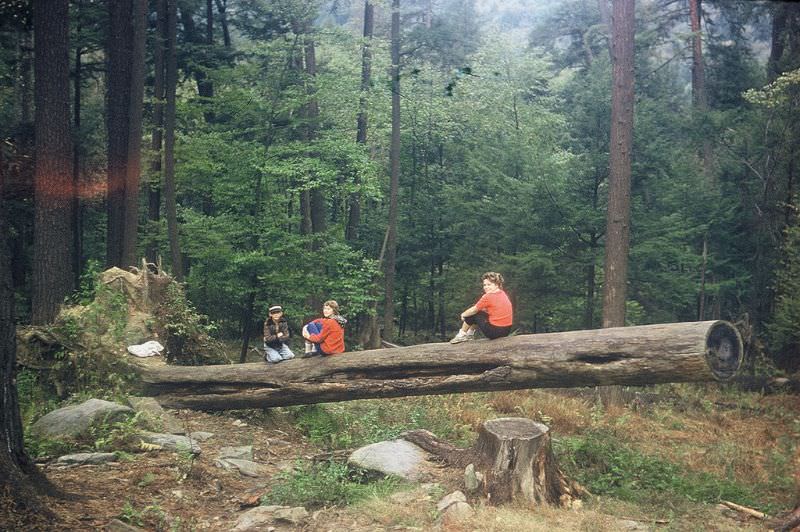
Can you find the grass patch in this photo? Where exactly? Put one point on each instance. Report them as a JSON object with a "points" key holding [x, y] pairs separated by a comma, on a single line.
{"points": [[325, 484], [607, 466]]}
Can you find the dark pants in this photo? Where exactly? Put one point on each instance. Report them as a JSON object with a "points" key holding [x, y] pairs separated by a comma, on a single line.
{"points": [[481, 319]]}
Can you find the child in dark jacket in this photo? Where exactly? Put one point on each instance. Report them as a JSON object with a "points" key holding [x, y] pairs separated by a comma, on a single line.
{"points": [[276, 336], [325, 336]]}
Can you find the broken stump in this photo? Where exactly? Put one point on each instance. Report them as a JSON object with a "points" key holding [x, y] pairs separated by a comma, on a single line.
{"points": [[519, 466], [515, 460]]}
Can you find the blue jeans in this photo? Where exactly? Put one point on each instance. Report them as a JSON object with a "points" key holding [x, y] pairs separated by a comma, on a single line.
{"points": [[313, 328], [276, 355]]}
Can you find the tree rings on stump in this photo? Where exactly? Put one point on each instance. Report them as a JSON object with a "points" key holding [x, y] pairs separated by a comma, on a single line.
{"points": [[519, 464]]}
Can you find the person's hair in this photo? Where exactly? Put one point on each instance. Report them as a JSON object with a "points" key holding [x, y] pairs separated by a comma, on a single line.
{"points": [[494, 277], [333, 304]]}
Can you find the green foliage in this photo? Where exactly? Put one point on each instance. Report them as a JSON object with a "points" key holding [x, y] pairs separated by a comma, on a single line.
{"points": [[607, 466], [347, 425], [324, 484], [783, 332], [107, 437], [151, 514], [186, 333], [103, 436], [35, 399], [504, 165]]}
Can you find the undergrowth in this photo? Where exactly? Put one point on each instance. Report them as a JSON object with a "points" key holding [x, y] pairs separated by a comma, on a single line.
{"points": [[607, 466], [346, 425], [325, 484]]}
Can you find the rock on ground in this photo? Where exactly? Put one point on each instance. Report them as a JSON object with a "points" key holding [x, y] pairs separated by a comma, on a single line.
{"points": [[458, 511], [472, 478], [244, 452], [260, 517], [396, 457], [74, 420], [170, 442], [86, 458], [201, 436], [447, 500], [245, 467]]}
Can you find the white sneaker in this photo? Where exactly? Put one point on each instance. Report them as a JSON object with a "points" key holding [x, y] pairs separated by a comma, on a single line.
{"points": [[462, 337]]}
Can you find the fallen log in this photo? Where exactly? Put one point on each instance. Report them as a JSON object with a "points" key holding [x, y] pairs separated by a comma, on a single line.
{"points": [[648, 354]]}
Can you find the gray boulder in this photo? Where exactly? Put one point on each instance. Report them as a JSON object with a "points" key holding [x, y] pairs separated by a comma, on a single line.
{"points": [[396, 457], [74, 420]]}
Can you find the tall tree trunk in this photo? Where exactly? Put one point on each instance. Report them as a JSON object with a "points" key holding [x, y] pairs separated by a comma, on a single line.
{"points": [[117, 108], [247, 321], [779, 18], [394, 179], [317, 198], [54, 192], [171, 81], [77, 214], [205, 87], [700, 100], [442, 318], [698, 70], [154, 190], [134, 150], [619, 194], [16, 468], [588, 310], [222, 6], [354, 211]]}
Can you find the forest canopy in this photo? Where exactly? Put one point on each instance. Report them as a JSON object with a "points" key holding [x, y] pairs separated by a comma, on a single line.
{"points": [[248, 145]]}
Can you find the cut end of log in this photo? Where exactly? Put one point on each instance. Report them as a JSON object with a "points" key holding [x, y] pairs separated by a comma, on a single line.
{"points": [[724, 350]]}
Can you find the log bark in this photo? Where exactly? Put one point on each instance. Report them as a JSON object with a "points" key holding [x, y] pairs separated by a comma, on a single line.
{"points": [[649, 354]]}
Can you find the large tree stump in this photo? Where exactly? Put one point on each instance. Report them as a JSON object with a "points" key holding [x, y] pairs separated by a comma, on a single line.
{"points": [[516, 461], [519, 465]]}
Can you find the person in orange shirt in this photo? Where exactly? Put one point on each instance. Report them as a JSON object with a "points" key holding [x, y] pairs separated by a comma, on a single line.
{"points": [[492, 314], [325, 336]]}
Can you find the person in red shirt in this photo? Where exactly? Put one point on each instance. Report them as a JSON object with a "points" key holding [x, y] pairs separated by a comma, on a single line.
{"points": [[492, 314], [325, 336]]}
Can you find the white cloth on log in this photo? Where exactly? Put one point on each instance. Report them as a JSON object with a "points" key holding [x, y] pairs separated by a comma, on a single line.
{"points": [[147, 349]]}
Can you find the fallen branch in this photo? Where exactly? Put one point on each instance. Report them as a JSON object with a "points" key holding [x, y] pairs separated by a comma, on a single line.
{"points": [[744, 509]]}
